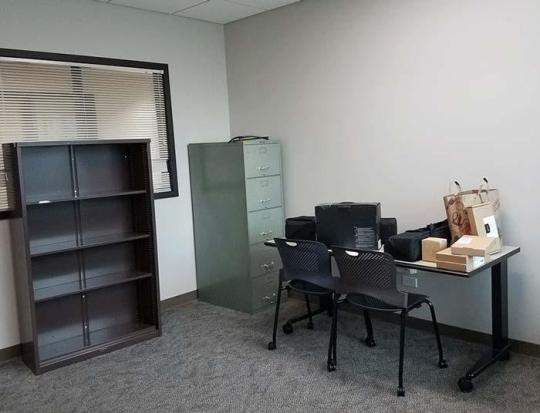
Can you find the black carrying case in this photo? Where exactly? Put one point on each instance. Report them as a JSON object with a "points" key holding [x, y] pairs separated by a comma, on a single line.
{"points": [[303, 227], [407, 246], [349, 224]]}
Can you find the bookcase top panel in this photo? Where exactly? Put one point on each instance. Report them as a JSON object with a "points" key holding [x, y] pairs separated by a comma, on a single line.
{"points": [[81, 142]]}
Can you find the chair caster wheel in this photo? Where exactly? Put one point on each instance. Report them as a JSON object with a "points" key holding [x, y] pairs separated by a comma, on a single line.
{"points": [[287, 328], [401, 392], [310, 326], [370, 342], [443, 364], [465, 385], [330, 366], [271, 346]]}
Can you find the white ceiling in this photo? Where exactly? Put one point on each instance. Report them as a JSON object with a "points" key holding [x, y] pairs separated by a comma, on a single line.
{"points": [[216, 11]]}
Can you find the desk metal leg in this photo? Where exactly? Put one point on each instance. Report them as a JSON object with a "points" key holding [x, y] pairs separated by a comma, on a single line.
{"points": [[500, 348]]}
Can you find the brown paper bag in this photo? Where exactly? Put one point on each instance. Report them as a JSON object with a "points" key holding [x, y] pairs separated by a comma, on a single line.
{"points": [[457, 202]]}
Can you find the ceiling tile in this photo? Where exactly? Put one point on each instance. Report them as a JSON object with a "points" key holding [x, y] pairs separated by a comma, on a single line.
{"points": [[163, 6], [220, 11], [264, 4]]}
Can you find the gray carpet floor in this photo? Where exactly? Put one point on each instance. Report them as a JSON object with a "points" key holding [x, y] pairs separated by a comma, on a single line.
{"points": [[211, 359]]}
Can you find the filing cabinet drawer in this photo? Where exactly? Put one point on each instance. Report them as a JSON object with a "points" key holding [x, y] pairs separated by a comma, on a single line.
{"points": [[263, 193], [263, 260], [264, 290], [264, 225], [262, 160]]}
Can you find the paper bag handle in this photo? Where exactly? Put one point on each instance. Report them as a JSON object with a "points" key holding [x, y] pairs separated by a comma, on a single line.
{"points": [[484, 187], [456, 184]]}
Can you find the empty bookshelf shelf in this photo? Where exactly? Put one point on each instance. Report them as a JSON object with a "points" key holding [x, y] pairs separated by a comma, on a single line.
{"points": [[94, 283], [55, 352], [65, 246], [51, 200]]}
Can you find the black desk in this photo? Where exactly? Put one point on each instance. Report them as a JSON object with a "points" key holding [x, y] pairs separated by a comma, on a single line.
{"points": [[500, 346]]}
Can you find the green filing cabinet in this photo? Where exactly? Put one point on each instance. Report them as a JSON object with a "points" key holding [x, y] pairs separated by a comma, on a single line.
{"points": [[237, 202]]}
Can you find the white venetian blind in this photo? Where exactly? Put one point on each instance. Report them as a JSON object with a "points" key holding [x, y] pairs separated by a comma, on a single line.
{"points": [[42, 101]]}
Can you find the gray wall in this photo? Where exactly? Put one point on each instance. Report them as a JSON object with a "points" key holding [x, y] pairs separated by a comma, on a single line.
{"points": [[195, 53], [388, 101]]}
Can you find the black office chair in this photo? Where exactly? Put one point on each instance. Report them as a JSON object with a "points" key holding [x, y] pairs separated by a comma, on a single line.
{"points": [[306, 269], [368, 278]]}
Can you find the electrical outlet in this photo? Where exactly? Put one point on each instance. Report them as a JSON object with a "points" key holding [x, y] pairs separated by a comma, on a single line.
{"points": [[411, 282]]}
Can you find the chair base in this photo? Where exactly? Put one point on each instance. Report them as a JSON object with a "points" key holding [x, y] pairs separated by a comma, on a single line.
{"points": [[271, 346], [331, 366], [288, 326], [370, 342], [465, 385]]}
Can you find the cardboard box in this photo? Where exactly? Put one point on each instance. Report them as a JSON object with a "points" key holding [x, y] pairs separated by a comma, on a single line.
{"points": [[476, 246], [447, 256], [464, 263], [475, 263], [430, 246], [484, 223]]}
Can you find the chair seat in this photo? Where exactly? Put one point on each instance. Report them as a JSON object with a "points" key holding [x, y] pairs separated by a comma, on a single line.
{"points": [[372, 303], [317, 285]]}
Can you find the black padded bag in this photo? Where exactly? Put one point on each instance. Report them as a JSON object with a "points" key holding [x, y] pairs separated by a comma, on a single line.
{"points": [[303, 227], [407, 246]]}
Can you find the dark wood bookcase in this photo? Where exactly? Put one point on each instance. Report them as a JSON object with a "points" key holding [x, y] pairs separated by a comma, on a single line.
{"points": [[84, 248]]}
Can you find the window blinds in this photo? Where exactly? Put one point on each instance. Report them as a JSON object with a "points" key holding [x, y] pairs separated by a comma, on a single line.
{"points": [[42, 101]]}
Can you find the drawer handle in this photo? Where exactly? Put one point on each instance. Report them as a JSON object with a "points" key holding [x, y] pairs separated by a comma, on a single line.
{"points": [[266, 233], [269, 299], [269, 266], [263, 168], [264, 201]]}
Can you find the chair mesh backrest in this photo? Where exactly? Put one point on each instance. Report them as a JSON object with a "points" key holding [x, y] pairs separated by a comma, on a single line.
{"points": [[302, 258], [367, 272]]}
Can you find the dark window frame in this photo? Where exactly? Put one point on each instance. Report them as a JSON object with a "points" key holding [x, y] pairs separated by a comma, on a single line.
{"points": [[106, 61]]}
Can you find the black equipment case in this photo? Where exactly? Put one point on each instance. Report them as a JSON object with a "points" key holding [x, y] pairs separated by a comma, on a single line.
{"points": [[407, 246], [302, 227], [349, 224]]}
